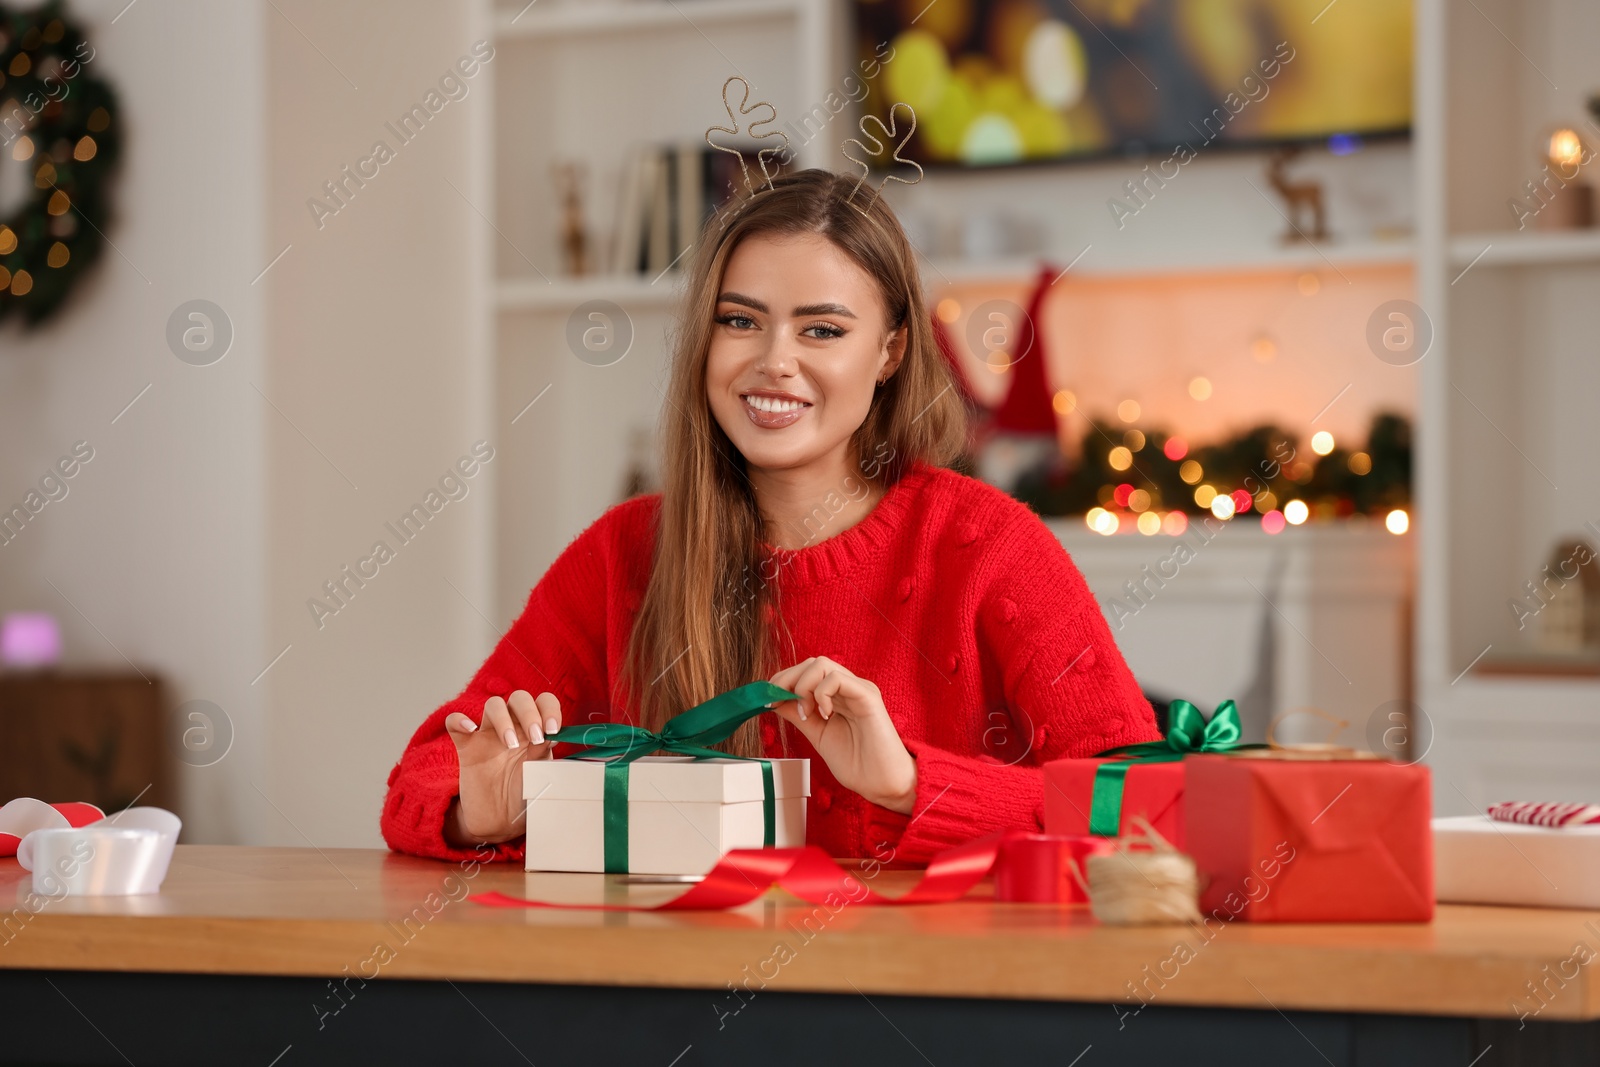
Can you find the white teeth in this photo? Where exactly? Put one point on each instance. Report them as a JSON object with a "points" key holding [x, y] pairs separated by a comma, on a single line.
{"points": [[768, 403]]}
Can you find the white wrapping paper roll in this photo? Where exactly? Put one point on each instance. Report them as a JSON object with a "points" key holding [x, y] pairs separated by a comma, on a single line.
{"points": [[126, 854]]}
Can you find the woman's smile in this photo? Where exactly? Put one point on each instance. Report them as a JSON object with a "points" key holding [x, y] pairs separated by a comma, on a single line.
{"points": [[773, 410]]}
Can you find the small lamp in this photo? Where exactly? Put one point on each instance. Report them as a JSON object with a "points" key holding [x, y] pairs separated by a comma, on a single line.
{"points": [[29, 639]]}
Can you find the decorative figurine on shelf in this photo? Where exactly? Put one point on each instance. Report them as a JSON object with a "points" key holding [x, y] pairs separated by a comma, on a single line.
{"points": [[569, 179], [1570, 618], [1297, 197]]}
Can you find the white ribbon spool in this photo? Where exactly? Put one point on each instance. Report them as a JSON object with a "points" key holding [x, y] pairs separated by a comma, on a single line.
{"points": [[125, 854]]}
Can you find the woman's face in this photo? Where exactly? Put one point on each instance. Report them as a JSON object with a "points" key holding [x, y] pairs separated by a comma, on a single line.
{"points": [[798, 345]]}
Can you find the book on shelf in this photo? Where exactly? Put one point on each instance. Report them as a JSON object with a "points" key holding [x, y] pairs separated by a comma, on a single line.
{"points": [[666, 194]]}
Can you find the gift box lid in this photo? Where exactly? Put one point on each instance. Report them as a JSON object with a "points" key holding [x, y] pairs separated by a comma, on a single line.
{"points": [[667, 779], [1479, 860]]}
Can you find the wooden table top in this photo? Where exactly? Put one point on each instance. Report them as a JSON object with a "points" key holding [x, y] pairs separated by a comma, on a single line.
{"points": [[288, 911]]}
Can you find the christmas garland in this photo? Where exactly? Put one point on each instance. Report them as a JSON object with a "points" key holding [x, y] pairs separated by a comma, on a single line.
{"points": [[1264, 467], [61, 123]]}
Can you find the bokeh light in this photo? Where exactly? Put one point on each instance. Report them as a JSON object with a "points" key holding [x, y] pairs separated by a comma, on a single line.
{"points": [[1397, 521], [1204, 495], [1055, 65], [1175, 449], [1065, 401], [1222, 506], [1322, 442], [1120, 458], [1360, 463], [1272, 522], [1128, 411], [1149, 524], [1200, 388], [1191, 471], [1566, 151], [1296, 512], [920, 73]]}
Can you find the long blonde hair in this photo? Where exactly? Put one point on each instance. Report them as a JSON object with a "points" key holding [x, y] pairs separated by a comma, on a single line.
{"points": [[702, 627]]}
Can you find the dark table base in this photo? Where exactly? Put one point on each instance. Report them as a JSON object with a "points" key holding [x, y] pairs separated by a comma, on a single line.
{"points": [[63, 1017]]}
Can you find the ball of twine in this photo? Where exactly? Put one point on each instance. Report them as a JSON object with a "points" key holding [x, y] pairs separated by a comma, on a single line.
{"points": [[1136, 885]]}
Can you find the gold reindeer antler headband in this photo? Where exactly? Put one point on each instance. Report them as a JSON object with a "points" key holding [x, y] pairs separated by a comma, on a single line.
{"points": [[885, 148], [746, 109]]}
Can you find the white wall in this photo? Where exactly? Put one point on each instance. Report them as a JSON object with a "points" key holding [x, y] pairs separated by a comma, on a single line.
{"points": [[212, 509], [379, 366], [160, 541]]}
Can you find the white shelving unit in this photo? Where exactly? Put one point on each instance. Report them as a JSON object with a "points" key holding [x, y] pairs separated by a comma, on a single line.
{"points": [[1508, 392], [1116, 262], [563, 294], [588, 82], [568, 18], [1525, 248]]}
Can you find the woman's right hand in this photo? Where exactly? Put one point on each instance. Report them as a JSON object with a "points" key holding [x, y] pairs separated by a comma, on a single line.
{"points": [[490, 807]]}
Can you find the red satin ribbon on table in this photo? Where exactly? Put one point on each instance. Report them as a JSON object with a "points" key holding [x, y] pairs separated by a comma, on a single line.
{"points": [[811, 874]]}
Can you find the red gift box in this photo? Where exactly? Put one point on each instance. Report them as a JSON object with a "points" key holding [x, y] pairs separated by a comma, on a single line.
{"points": [[1295, 840], [1154, 790]]}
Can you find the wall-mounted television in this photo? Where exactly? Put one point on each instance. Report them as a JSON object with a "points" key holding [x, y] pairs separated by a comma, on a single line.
{"points": [[997, 82]]}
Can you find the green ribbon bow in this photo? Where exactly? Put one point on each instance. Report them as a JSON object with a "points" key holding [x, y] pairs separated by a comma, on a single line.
{"points": [[1187, 732], [688, 734]]}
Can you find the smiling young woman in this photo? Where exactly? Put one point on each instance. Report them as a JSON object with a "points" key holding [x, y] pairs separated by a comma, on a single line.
{"points": [[940, 640]]}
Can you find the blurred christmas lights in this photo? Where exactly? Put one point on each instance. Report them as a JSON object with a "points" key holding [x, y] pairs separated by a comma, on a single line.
{"points": [[1258, 471]]}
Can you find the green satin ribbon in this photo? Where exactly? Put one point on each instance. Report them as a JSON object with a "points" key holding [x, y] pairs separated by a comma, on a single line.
{"points": [[1187, 732], [688, 734]]}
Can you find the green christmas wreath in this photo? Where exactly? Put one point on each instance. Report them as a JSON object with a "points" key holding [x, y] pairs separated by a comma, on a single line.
{"points": [[60, 124]]}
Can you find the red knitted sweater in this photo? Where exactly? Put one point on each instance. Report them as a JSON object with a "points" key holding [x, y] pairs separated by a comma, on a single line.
{"points": [[989, 649]]}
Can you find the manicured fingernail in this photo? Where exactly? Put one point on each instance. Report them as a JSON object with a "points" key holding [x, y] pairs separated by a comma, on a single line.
{"points": [[472, 727], [535, 736], [511, 737], [802, 706], [551, 726]]}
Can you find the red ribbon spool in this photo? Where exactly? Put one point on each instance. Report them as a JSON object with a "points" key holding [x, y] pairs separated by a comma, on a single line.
{"points": [[1038, 868]]}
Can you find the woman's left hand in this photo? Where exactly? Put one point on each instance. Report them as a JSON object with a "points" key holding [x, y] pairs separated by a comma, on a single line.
{"points": [[844, 719]]}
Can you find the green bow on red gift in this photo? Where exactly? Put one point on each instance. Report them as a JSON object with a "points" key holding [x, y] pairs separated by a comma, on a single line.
{"points": [[1187, 732], [688, 734]]}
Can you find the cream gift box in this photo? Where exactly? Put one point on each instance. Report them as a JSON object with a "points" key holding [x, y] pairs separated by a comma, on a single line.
{"points": [[683, 813], [1479, 860]]}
